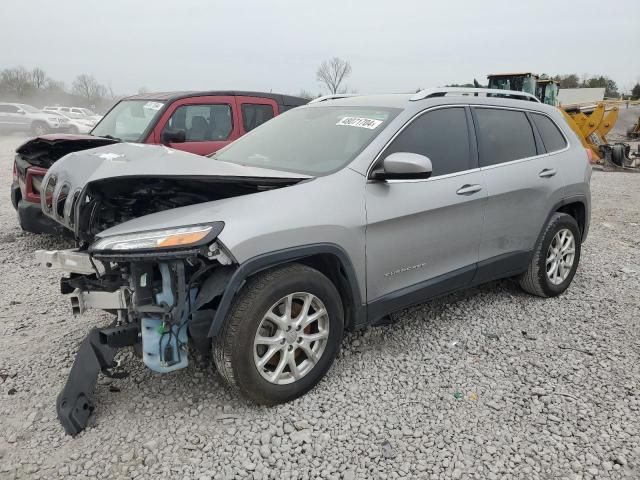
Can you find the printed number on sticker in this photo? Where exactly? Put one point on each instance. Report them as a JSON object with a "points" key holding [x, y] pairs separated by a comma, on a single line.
{"points": [[359, 122]]}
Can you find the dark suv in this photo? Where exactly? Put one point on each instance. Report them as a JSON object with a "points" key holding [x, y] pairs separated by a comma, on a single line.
{"points": [[196, 122]]}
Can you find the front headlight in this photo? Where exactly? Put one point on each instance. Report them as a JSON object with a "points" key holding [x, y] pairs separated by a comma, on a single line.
{"points": [[159, 239]]}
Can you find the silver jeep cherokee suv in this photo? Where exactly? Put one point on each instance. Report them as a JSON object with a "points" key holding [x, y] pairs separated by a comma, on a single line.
{"points": [[329, 217]]}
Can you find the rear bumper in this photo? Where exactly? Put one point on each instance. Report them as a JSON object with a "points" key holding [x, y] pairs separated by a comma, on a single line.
{"points": [[32, 219], [15, 194]]}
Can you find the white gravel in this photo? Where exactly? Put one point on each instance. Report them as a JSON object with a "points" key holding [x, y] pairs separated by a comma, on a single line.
{"points": [[489, 383]]}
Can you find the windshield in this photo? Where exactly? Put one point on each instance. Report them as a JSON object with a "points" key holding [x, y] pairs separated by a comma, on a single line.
{"points": [[128, 120], [313, 141], [29, 108]]}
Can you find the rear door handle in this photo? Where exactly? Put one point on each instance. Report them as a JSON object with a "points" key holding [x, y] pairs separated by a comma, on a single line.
{"points": [[547, 172], [468, 189]]}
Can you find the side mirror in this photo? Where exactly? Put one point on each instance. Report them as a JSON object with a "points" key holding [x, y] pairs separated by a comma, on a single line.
{"points": [[21, 112], [173, 136], [404, 166]]}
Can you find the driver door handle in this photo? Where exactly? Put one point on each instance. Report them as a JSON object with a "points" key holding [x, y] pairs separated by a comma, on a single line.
{"points": [[468, 189], [547, 173]]}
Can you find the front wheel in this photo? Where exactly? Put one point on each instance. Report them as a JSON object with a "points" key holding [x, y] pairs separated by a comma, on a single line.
{"points": [[555, 259], [39, 128], [281, 335]]}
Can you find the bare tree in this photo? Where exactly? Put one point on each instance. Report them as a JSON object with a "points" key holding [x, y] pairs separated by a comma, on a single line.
{"points": [[89, 89], [39, 78], [332, 73], [16, 81]]}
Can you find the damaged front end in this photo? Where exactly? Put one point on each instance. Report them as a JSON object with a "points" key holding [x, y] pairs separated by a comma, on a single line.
{"points": [[162, 274], [161, 301]]}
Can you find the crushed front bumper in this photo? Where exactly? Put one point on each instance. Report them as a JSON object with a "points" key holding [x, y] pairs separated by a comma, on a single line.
{"points": [[158, 311]]}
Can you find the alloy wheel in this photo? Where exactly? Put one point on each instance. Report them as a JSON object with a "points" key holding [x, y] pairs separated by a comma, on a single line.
{"points": [[560, 256], [291, 338]]}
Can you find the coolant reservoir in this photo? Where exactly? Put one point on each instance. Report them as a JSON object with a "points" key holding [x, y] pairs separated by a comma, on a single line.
{"points": [[164, 349]]}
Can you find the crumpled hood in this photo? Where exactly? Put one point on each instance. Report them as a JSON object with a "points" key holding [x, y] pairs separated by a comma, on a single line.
{"points": [[137, 159], [45, 150], [93, 190]]}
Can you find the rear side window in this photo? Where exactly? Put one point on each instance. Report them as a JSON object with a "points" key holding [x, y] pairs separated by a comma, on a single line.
{"points": [[254, 115], [503, 136], [442, 135], [551, 136]]}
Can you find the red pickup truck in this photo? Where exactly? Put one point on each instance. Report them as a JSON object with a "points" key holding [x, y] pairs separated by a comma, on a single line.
{"points": [[196, 122]]}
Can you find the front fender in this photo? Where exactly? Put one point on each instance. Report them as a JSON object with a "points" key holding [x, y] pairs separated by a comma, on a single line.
{"points": [[280, 257]]}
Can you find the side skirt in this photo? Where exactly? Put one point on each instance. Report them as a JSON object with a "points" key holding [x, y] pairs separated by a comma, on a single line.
{"points": [[495, 268]]}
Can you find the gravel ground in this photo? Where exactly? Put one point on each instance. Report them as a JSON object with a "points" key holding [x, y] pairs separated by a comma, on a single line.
{"points": [[488, 383]]}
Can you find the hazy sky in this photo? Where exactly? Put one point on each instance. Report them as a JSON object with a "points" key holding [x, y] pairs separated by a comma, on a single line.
{"points": [[277, 45]]}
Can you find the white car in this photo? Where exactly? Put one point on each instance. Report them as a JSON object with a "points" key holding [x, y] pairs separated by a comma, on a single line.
{"points": [[78, 123], [84, 112], [20, 117]]}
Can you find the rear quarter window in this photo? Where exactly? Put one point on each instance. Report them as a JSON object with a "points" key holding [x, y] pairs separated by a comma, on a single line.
{"points": [[503, 136], [551, 136]]}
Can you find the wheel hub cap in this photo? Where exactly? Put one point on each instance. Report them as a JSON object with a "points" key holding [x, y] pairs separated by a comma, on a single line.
{"points": [[560, 256], [291, 338]]}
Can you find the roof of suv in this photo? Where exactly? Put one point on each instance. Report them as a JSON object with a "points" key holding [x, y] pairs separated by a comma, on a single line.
{"points": [[412, 102], [172, 96]]}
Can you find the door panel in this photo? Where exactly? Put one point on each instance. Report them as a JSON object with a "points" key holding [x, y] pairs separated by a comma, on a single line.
{"points": [[522, 182], [520, 198], [419, 230], [205, 122]]}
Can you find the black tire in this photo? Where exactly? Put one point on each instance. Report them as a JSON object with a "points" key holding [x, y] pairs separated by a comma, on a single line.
{"points": [[233, 348], [618, 154], [535, 280], [39, 128]]}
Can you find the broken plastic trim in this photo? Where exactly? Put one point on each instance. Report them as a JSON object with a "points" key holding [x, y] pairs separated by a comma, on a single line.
{"points": [[74, 403]]}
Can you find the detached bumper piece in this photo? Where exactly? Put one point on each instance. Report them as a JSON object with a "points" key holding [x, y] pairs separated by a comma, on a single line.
{"points": [[96, 354]]}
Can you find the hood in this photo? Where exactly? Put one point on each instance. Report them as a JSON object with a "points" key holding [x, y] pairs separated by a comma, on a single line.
{"points": [[45, 150], [92, 190]]}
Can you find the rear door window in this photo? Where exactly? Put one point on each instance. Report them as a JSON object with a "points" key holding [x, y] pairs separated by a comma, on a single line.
{"points": [[442, 135], [202, 123], [254, 115], [551, 136], [503, 136]]}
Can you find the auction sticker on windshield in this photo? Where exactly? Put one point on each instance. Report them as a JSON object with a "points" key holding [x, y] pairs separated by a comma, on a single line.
{"points": [[153, 105], [359, 122]]}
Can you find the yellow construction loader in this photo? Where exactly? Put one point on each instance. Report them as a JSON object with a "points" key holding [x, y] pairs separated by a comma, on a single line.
{"points": [[591, 122]]}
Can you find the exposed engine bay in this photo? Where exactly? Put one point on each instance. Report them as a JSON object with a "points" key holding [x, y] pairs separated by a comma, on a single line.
{"points": [[93, 190], [106, 203]]}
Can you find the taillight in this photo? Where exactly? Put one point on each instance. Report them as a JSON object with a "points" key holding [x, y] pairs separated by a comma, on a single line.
{"points": [[33, 184], [15, 171]]}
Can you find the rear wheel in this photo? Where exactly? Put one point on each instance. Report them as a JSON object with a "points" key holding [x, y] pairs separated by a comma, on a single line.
{"points": [[281, 335], [555, 259]]}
